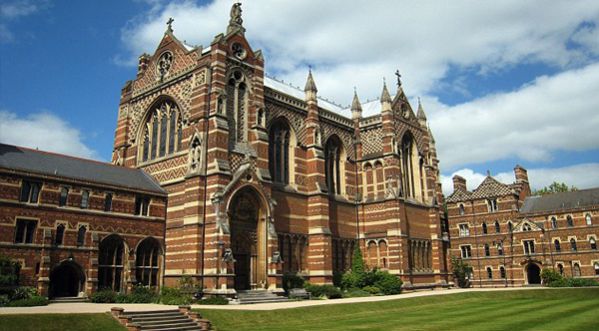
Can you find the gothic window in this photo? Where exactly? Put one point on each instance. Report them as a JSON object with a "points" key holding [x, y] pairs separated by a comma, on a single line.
{"points": [[569, 221], [411, 167], [85, 199], [558, 246], [593, 243], [500, 249], [147, 262], [573, 245], [576, 270], [162, 131], [502, 272], [484, 228], [64, 194], [529, 247], [333, 164], [81, 235], [489, 273], [30, 191], [369, 173], [492, 205], [379, 189], [59, 237], [280, 152], [553, 223], [236, 108], [464, 230], [110, 263], [108, 202], [25, 231], [510, 227], [588, 219], [461, 208], [497, 228], [142, 205], [487, 250], [466, 251]]}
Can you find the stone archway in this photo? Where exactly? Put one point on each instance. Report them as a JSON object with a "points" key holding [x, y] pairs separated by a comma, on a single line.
{"points": [[66, 280], [533, 273], [248, 223]]}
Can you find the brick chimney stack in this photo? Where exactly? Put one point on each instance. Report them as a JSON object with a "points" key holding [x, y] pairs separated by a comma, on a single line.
{"points": [[144, 59], [459, 183], [522, 180]]}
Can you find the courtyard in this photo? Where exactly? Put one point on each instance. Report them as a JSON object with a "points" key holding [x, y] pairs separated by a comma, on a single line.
{"points": [[526, 309]]}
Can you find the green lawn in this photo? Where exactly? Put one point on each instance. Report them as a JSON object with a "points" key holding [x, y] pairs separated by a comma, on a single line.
{"points": [[550, 309], [59, 322]]}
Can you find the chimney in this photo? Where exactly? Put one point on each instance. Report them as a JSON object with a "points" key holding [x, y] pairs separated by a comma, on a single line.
{"points": [[459, 183], [144, 59], [522, 180]]}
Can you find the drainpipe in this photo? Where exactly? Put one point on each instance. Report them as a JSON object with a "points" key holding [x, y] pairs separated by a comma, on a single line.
{"points": [[207, 119]]}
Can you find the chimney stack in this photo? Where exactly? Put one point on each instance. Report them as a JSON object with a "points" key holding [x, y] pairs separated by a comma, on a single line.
{"points": [[459, 183], [144, 59]]}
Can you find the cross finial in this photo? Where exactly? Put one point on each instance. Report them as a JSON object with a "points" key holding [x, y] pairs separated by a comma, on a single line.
{"points": [[169, 23], [398, 78]]}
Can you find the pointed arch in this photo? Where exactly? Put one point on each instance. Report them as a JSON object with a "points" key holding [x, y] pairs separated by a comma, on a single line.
{"points": [[236, 105], [281, 151], [160, 132], [111, 263], [335, 156], [148, 259], [412, 168]]}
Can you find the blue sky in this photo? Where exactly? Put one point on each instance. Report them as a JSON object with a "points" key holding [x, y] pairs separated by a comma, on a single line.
{"points": [[503, 83]]}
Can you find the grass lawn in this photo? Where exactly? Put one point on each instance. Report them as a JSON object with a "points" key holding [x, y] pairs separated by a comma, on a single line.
{"points": [[59, 322], [551, 309]]}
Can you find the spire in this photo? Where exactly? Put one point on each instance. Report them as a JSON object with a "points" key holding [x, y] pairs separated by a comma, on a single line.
{"points": [[235, 23], [356, 106], [430, 133], [421, 116], [310, 85], [385, 97]]}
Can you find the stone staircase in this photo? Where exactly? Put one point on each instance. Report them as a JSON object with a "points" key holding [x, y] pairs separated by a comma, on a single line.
{"points": [[69, 299], [182, 319], [259, 296]]}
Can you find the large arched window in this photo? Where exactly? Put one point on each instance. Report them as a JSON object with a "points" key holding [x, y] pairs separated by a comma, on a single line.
{"points": [[411, 168], [281, 152], [162, 131], [236, 107], [147, 262], [334, 165], [110, 263]]}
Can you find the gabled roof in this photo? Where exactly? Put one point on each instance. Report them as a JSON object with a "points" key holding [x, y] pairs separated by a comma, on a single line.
{"points": [[51, 164], [561, 201], [491, 188], [459, 195]]}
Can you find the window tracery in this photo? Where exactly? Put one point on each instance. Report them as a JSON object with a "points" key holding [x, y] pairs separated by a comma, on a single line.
{"points": [[163, 131]]}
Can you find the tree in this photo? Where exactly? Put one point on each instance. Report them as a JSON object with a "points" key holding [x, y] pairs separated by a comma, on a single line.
{"points": [[357, 261], [461, 271], [555, 187]]}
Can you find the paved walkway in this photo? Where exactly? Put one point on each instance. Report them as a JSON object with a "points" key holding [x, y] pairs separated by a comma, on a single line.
{"points": [[79, 308]]}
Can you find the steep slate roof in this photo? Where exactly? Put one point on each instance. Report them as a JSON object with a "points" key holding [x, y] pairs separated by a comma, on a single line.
{"points": [[45, 163], [561, 201], [459, 195], [490, 188]]}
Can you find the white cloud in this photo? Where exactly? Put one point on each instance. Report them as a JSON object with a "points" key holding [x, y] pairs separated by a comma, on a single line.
{"points": [[12, 10], [44, 131], [583, 176], [551, 114]]}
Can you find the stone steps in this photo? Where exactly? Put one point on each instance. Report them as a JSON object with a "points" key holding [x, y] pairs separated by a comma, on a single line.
{"points": [[69, 299], [259, 296], [181, 319]]}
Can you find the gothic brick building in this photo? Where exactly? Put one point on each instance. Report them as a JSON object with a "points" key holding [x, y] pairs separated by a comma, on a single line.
{"points": [[508, 236], [77, 225], [264, 179]]}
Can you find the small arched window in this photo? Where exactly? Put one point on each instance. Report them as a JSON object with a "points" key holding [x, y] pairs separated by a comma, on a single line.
{"points": [[588, 219], [560, 268], [236, 107], [497, 228], [510, 227], [487, 250], [576, 270], [573, 244], [484, 228], [553, 223], [596, 267], [162, 131], [500, 249], [502, 272], [462, 210], [489, 273], [569, 221], [334, 171], [558, 246], [593, 243], [58, 239], [81, 235]]}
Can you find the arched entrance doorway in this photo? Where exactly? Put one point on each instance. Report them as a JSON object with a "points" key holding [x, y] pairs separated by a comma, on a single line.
{"points": [[533, 273], [247, 215], [66, 280]]}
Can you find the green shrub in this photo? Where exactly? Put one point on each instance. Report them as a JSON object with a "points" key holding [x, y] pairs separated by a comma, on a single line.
{"points": [[9, 272], [4, 300], [292, 281], [356, 293], [104, 296], [216, 300], [337, 278], [357, 266], [23, 292], [372, 289], [573, 282], [351, 279], [328, 291], [549, 276], [35, 300], [174, 296], [387, 283], [461, 271]]}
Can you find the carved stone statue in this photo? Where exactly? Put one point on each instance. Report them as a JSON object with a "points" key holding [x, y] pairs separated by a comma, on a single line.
{"points": [[236, 14], [228, 256], [195, 155], [276, 257]]}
